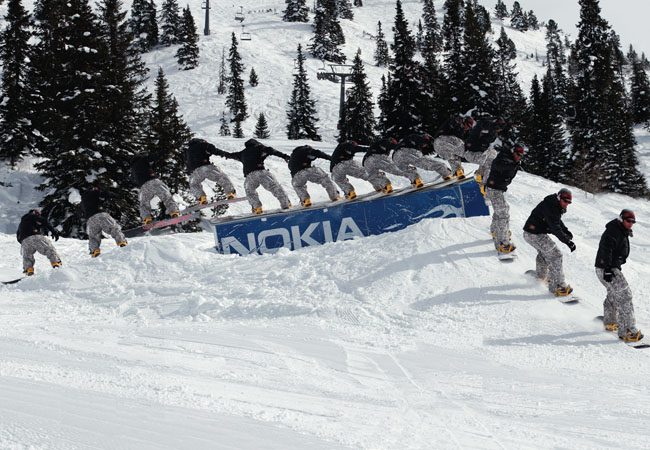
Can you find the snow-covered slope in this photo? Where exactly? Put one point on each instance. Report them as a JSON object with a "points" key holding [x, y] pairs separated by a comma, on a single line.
{"points": [[419, 339]]}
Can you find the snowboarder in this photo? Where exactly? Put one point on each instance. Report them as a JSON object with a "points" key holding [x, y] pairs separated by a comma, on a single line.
{"points": [[150, 185], [546, 218], [302, 172], [197, 163], [98, 220], [449, 143], [343, 164], [479, 149], [613, 250], [413, 152], [504, 169], [31, 235], [377, 162], [255, 174]]}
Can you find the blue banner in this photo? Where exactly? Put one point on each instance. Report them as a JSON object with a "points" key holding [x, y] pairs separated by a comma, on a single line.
{"points": [[339, 221]]}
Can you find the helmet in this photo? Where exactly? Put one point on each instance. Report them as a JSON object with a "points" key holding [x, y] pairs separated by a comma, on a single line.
{"points": [[627, 215], [519, 149], [565, 195], [468, 122], [35, 211]]}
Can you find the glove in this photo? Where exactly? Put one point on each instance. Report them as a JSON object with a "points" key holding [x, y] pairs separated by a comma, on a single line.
{"points": [[55, 235], [571, 246], [570, 235], [608, 275]]}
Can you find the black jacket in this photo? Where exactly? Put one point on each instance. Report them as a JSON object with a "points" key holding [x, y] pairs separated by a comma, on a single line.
{"points": [[198, 154], [142, 167], [452, 127], [31, 224], [503, 170], [94, 201], [422, 142], [253, 155], [481, 135], [614, 247], [302, 156], [547, 218], [381, 146], [345, 151]]}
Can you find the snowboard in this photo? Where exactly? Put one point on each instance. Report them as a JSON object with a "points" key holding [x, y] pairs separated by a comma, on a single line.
{"points": [[511, 256], [195, 208], [640, 344], [570, 299], [13, 281], [138, 231]]}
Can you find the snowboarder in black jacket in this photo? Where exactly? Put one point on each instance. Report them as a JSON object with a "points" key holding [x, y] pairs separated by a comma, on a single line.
{"points": [[504, 169], [255, 174], [450, 142], [150, 185], [545, 219], [412, 152], [197, 164], [613, 250], [377, 162], [343, 164], [98, 220], [302, 171], [31, 235], [479, 148]]}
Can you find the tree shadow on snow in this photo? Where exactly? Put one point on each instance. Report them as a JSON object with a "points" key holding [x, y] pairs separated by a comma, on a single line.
{"points": [[485, 295], [567, 339]]}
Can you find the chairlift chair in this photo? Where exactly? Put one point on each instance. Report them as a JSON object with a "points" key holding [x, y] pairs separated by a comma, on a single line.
{"points": [[245, 35], [239, 15]]}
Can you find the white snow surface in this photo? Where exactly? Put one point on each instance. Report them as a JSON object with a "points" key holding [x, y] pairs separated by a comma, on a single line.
{"points": [[418, 339]]}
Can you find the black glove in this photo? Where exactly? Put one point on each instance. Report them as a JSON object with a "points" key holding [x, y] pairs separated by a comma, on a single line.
{"points": [[571, 246], [608, 275], [55, 235], [569, 235]]}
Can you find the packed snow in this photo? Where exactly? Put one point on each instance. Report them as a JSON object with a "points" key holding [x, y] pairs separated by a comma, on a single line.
{"points": [[418, 339]]}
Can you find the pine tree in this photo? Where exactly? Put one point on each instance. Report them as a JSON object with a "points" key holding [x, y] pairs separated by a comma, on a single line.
{"points": [[187, 55], [452, 25], [252, 78], [433, 109], [501, 11], [359, 120], [452, 32], [382, 55], [301, 113], [556, 60], [223, 76], [238, 132], [639, 90], [518, 19], [344, 9], [262, 128], [296, 11], [224, 129], [170, 23], [404, 115], [328, 35], [384, 106], [432, 39], [510, 98], [169, 133], [358, 3], [144, 24], [15, 126], [236, 100], [531, 21]]}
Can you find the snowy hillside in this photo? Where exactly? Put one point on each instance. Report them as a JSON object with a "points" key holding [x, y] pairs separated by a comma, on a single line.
{"points": [[419, 339]]}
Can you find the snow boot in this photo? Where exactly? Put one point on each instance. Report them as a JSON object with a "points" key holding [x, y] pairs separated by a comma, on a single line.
{"points": [[631, 336], [306, 202], [562, 291], [29, 271], [258, 210], [479, 178], [175, 214], [417, 183], [56, 264], [387, 189], [351, 195], [95, 253], [121, 244], [203, 200], [291, 206], [147, 221], [506, 248], [230, 195], [460, 174], [482, 188], [611, 327]]}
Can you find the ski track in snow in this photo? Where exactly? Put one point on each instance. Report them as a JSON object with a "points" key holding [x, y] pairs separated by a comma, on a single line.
{"points": [[419, 339]]}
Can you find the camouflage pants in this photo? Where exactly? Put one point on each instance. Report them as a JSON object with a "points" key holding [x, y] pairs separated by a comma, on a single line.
{"points": [[150, 190], [212, 173], [548, 261], [618, 308], [450, 148], [265, 179], [484, 161], [376, 167], [350, 167], [37, 243], [315, 175], [500, 216], [407, 159], [102, 222]]}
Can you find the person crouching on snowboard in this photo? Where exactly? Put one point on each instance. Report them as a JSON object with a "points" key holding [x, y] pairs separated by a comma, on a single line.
{"points": [[302, 172], [343, 164], [414, 151], [98, 220], [256, 175], [150, 185], [31, 234], [613, 250], [545, 219], [503, 171], [197, 163], [378, 163]]}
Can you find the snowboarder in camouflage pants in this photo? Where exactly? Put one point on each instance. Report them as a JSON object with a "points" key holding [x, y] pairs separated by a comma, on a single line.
{"points": [[449, 143], [613, 250], [150, 186], [343, 164], [197, 163], [413, 152], [545, 219], [302, 172], [31, 235], [98, 221], [377, 163]]}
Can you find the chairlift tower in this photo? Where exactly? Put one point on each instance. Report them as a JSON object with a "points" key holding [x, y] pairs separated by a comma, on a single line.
{"points": [[206, 28], [337, 73]]}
